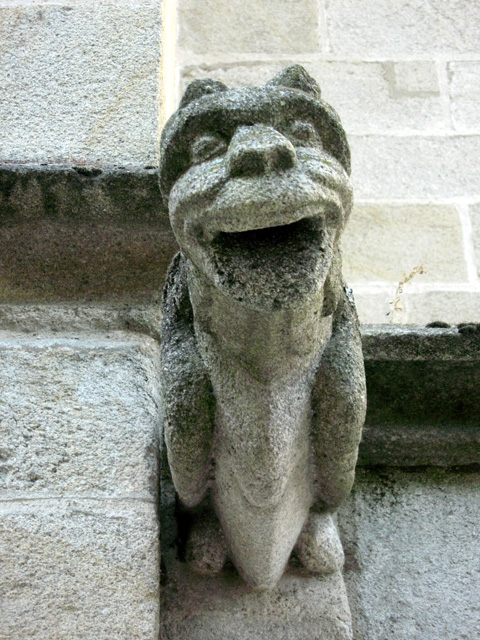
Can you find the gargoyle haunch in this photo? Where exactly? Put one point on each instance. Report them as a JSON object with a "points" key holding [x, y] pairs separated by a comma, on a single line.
{"points": [[263, 377]]}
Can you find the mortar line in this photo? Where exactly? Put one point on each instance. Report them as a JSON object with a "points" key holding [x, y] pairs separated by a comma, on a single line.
{"points": [[415, 133], [454, 200], [241, 58], [57, 498], [444, 84], [322, 15], [469, 249], [374, 287]]}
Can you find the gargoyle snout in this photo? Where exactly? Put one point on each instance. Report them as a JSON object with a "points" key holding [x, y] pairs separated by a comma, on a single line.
{"points": [[258, 149]]}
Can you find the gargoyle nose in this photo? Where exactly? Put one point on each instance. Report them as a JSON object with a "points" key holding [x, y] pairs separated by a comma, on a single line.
{"points": [[259, 149]]}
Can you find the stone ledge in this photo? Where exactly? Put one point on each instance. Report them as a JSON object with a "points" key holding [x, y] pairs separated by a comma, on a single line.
{"points": [[82, 233], [423, 402], [301, 606]]}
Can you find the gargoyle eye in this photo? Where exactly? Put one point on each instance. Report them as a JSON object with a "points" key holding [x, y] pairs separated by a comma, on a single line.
{"points": [[303, 132], [206, 147]]}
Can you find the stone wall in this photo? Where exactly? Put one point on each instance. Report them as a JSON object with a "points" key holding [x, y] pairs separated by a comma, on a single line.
{"points": [[81, 107], [85, 87], [404, 78], [84, 94]]}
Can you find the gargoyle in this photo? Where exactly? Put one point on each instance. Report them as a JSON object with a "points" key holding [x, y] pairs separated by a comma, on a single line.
{"points": [[263, 377]]}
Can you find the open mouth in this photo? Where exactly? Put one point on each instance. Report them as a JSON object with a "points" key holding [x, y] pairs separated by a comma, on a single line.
{"points": [[283, 248], [274, 263]]}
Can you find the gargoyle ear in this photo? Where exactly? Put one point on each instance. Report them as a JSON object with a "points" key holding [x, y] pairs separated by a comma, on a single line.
{"points": [[295, 77], [198, 88]]}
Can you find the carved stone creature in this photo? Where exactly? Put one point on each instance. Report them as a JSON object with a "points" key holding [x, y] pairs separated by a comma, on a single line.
{"points": [[264, 388]]}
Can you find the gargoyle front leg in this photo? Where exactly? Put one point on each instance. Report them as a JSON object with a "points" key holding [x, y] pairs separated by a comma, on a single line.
{"points": [[188, 402], [189, 417], [339, 404]]}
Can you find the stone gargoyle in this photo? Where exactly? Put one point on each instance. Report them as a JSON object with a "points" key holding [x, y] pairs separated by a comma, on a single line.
{"points": [[263, 377]]}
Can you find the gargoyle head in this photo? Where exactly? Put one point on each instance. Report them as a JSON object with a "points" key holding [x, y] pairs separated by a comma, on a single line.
{"points": [[256, 181]]}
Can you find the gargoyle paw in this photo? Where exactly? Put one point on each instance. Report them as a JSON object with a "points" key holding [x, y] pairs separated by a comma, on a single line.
{"points": [[319, 548], [206, 547]]}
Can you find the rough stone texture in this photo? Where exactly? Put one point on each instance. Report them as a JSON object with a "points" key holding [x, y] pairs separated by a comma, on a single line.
{"points": [[81, 234], [369, 96], [423, 405], [275, 26], [79, 569], [74, 318], [415, 166], [382, 242], [412, 564], [80, 82], [465, 93], [78, 416], [79, 437], [392, 28], [261, 357], [301, 607]]}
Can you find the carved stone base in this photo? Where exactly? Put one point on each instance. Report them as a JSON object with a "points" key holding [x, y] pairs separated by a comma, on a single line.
{"points": [[301, 607]]}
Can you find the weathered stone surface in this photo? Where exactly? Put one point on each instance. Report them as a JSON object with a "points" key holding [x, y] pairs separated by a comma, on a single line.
{"points": [[86, 88], [465, 93], [383, 242], [261, 358], [400, 28], [81, 234], [79, 568], [390, 343], [369, 96], [300, 606], [79, 416], [419, 443], [246, 26], [423, 405], [415, 166], [412, 564]]}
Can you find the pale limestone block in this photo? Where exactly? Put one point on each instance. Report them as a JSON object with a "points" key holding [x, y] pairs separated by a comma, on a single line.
{"points": [[382, 242], [449, 306], [367, 97], [415, 77], [79, 416], [412, 563], [246, 26], [80, 569], [464, 79], [395, 27], [415, 166], [80, 82], [363, 93], [373, 307], [233, 75], [475, 219]]}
